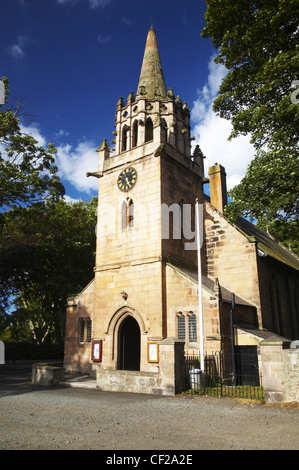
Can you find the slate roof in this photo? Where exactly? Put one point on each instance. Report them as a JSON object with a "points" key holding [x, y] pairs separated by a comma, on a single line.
{"points": [[211, 286], [267, 244]]}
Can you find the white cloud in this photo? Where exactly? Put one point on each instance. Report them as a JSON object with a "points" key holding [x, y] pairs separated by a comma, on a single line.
{"points": [[32, 130], [35, 132], [70, 199], [98, 3], [92, 3], [211, 132], [74, 163], [17, 51], [127, 21], [104, 39], [62, 133]]}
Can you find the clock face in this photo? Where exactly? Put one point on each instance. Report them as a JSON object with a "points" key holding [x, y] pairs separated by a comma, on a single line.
{"points": [[127, 179]]}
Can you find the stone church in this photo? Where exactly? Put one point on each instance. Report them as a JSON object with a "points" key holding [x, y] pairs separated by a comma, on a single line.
{"points": [[145, 299]]}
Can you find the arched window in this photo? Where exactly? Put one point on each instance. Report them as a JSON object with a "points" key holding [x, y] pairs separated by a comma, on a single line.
{"points": [[148, 130], [81, 330], [125, 138], [192, 328], [130, 213], [135, 134], [187, 332], [88, 330], [85, 330], [127, 214], [163, 130], [181, 327]]}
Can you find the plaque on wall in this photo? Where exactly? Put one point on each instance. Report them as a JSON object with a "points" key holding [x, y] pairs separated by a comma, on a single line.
{"points": [[152, 352], [96, 350]]}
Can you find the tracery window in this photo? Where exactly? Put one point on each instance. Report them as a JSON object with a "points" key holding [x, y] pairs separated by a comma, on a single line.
{"points": [[187, 327], [85, 330]]}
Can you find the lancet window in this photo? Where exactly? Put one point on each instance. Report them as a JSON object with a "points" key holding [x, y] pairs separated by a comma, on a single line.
{"points": [[149, 131], [127, 214], [85, 330]]}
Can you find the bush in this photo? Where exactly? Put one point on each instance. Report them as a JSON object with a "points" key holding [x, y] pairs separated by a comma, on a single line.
{"points": [[24, 350]]}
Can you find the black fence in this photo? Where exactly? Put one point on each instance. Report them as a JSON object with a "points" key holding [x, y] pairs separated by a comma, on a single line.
{"points": [[225, 374]]}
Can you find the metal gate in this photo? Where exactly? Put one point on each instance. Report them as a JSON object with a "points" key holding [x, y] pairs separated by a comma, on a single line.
{"points": [[224, 375], [247, 369]]}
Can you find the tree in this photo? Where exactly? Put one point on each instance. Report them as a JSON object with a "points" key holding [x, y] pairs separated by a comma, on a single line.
{"points": [[257, 41], [46, 253], [265, 180], [27, 171]]}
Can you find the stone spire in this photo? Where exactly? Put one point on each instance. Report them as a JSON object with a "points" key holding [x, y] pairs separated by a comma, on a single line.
{"points": [[151, 80]]}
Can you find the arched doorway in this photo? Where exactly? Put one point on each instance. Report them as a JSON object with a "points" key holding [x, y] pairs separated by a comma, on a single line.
{"points": [[129, 345]]}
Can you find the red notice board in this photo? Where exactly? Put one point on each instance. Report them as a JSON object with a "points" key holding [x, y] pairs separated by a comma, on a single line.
{"points": [[96, 350]]}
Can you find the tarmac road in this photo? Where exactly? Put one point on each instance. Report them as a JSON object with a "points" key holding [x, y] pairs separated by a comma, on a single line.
{"points": [[63, 418]]}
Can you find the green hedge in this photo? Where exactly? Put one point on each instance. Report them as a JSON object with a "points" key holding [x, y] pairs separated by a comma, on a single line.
{"points": [[26, 351]]}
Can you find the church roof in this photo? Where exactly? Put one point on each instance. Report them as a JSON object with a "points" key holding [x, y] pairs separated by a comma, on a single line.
{"points": [[211, 286], [267, 245], [264, 334], [151, 80]]}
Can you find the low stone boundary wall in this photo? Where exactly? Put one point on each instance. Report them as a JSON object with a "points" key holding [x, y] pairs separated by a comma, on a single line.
{"points": [[168, 381], [280, 363], [128, 381], [26, 364], [47, 374]]}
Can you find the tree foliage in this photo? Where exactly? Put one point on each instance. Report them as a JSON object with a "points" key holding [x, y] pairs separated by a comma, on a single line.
{"points": [[27, 171], [257, 41], [271, 176], [46, 253], [258, 44], [46, 244]]}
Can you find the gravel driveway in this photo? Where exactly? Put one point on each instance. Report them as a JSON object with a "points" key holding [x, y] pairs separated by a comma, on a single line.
{"points": [[34, 417]]}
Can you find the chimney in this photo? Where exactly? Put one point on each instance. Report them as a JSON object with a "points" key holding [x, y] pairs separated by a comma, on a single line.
{"points": [[218, 193]]}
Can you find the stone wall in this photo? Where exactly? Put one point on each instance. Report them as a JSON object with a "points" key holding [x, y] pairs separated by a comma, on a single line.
{"points": [[280, 365], [182, 297], [231, 258], [167, 380], [76, 354], [47, 374]]}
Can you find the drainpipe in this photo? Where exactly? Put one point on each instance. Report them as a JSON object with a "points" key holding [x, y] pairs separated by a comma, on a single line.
{"points": [[200, 309], [232, 339]]}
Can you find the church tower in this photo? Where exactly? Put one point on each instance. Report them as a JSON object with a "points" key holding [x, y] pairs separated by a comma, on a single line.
{"points": [[148, 185], [149, 177], [146, 306]]}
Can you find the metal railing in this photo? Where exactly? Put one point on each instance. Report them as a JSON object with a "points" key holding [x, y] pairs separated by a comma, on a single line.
{"points": [[224, 376]]}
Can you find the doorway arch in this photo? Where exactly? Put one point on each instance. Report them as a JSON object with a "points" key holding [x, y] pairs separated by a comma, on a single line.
{"points": [[128, 351]]}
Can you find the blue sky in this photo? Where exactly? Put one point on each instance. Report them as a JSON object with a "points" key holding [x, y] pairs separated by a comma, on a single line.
{"points": [[71, 60]]}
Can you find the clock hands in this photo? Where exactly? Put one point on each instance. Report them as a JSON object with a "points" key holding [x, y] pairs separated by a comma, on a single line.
{"points": [[127, 179]]}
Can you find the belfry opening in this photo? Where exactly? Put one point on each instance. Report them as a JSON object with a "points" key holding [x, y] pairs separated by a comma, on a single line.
{"points": [[129, 345]]}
